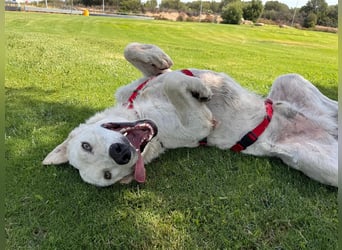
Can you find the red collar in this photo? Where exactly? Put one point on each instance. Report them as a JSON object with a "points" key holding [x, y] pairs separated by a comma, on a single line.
{"points": [[253, 135]]}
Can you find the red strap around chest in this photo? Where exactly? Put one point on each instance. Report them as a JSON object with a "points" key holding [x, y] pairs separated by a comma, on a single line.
{"points": [[136, 93], [253, 135]]}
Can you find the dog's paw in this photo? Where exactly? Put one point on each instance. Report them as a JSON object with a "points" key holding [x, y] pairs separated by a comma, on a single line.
{"points": [[158, 59], [199, 97], [148, 58], [199, 91]]}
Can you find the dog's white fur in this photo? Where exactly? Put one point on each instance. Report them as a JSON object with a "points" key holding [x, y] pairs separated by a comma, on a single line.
{"points": [[302, 132]]}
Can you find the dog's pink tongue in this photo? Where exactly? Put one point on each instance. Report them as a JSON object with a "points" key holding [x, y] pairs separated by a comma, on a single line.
{"points": [[140, 172]]}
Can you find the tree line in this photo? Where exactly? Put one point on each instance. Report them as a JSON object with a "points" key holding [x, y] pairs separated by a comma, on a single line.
{"points": [[314, 12]]}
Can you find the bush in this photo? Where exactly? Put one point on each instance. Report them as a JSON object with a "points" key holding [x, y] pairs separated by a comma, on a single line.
{"points": [[310, 20], [232, 13], [181, 17], [209, 19], [252, 10]]}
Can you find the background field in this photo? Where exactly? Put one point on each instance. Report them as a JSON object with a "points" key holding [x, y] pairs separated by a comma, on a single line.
{"points": [[61, 69]]}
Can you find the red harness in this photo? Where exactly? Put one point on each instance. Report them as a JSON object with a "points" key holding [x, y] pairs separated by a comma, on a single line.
{"points": [[253, 135], [245, 141]]}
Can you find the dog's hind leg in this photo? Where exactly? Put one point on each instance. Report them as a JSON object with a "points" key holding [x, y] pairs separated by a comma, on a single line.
{"points": [[295, 89], [148, 58], [307, 99], [317, 161]]}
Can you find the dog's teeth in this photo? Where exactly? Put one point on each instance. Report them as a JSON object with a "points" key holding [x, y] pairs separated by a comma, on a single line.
{"points": [[125, 134]]}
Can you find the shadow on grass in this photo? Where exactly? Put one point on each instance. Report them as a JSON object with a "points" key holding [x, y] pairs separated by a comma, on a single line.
{"points": [[34, 126], [331, 92], [27, 102]]}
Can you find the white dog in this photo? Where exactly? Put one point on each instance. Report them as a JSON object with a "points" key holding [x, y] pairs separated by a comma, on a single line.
{"points": [[185, 108]]}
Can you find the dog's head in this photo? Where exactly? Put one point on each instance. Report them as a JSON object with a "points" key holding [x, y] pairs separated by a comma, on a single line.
{"points": [[106, 153]]}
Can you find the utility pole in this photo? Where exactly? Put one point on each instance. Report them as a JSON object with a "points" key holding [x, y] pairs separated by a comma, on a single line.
{"points": [[294, 14], [200, 14]]}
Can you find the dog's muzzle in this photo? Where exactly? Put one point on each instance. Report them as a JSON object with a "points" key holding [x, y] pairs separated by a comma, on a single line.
{"points": [[138, 134]]}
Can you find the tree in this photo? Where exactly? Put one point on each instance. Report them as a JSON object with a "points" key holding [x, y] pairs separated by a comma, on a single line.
{"points": [[275, 5], [215, 7], [310, 20], [194, 7], [276, 11], [252, 10], [172, 5], [317, 7], [331, 19], [232, 13], [91, 2], [151, 5], [224, 3], [130, 5]]}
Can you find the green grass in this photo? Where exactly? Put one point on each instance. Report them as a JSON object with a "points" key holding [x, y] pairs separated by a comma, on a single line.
{"points": [[61, 69]]}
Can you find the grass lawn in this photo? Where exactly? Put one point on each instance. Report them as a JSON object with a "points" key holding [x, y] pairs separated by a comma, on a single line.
{"points": [[61, 69]]}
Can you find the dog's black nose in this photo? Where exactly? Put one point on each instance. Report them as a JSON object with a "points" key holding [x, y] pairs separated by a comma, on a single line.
{"points": [[120, 153]]}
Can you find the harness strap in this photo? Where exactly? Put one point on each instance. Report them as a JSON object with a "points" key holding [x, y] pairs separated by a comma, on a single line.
{"points": [[253, 135], [187, 72], [142, 85], [135, 93], [203, 142]]}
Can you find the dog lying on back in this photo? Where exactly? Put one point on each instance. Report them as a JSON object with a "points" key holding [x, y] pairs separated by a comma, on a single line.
{"points": [[170, 109]]}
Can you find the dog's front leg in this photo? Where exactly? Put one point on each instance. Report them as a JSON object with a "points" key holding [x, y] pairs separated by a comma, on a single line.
{"points": [[184, 91], [188, 96]]}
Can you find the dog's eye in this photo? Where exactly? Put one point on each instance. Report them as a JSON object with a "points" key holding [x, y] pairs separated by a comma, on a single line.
{"points": [[86, 146]]}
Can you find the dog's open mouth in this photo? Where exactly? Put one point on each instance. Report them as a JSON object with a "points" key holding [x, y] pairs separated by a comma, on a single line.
{"points": [[139, 133]]}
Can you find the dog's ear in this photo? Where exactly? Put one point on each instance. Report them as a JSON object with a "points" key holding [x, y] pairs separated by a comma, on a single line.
{"points": [[58, 155]]}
